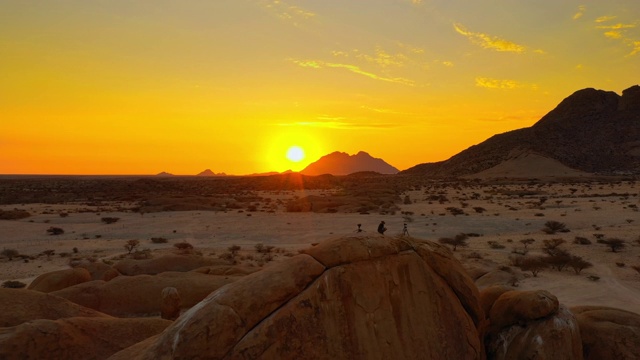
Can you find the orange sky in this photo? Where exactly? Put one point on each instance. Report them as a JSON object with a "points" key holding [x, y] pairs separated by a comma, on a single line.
{"points": [[111, 87]]}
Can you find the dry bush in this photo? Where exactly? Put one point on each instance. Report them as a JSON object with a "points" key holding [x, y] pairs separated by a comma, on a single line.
{"points": [[479, 209], [55, 230], [535, 264], [614, 244], [552, 227], [558, 259], [131, 245], [13, 284], [455, 211], [495, 245], [183, 246], [578, 264], [158, 240], [458, 240], [581, 240], [15, 214], [10, 253], [49, 253], [527, 242], [109, 220], [234, 249], [142, 254], [551, 245]]}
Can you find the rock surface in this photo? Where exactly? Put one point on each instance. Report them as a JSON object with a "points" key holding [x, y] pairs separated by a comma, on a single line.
{"points": [[141, 295], [358, 297], [75, 338], [57, 280], [608, 333], [513, 307], [169, 262], [20, 306]]}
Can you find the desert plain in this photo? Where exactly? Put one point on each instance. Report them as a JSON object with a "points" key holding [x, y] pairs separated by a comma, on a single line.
{"points": [[496, 215]]}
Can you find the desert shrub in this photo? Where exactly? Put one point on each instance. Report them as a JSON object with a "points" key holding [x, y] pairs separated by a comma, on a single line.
{"points": [[474, 235], [407, 200], [593, 277], [474, 255], [558, 259], [49, 253], [109, 220], [183, 246], [527, 242], [550, 246], [598, 236], [261, 248], [55, 231], [458, 240], [495, 245], [63, 214], [131, 245], [578, 264], [15, 214], [159, 240], [13, 284], [552, 227], [228, 257], [581, 240], [234, 249], [142, 254], [455, 211], [620, 264], [535, 264], [75, 250], [479, 209], [614, 244], [520, 251], [9, 253]]}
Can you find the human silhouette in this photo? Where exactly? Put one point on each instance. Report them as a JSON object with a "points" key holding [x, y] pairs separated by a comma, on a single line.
{"points": [[381, 228], [405, 231]]}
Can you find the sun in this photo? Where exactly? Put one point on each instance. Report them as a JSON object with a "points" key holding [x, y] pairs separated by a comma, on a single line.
{"points": [[295, 153]]}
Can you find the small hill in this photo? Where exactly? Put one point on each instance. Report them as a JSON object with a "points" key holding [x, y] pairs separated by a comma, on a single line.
{"points": [[339, 163], [592, 131], [208, 172], [164, 173]]}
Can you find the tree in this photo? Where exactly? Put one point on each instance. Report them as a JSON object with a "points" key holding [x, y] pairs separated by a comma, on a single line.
{"points": [[527, 242], [551, 245], [552, 227], [10, 253], [578, 264], [532, 263], [559, 259], [131, 245], [614, 243], [458, 240]]}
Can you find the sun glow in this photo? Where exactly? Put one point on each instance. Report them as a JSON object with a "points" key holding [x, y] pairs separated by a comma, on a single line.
{"points": [[295, 153]]}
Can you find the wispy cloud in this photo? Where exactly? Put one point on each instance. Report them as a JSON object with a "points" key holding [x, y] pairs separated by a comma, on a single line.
{"points": [[602, 19], [636, 48], [488, 41], [317, 64], [287, 12], [618, 31], [503, 84], [340, 125], [383, 111], [581, 10]]}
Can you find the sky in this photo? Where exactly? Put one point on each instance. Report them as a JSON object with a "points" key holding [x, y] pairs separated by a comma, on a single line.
{"points": [[141, 87]]}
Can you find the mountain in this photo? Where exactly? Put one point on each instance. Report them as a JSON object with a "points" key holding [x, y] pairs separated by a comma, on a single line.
{"points": [[339, 163], [591, 131], [208, 172], [164, 173]]}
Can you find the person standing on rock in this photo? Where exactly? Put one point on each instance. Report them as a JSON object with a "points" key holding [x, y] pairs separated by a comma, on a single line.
{"points": [[381, 228]]}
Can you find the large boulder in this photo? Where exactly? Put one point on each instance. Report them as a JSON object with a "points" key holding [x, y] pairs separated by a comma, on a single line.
{"points": [[20, 306], [529, 325], [75, 338], [57, 280], [98, 270], [141, 295], [358, 297], [608, 333], [169, 262]]}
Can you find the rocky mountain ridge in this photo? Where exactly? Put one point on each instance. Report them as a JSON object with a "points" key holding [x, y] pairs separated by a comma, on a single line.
{"points": [[340, 163], [592, 130]]}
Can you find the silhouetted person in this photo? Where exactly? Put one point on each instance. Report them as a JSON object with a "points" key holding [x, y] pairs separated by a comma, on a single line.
{"points": [[405, 231], [381, 228], [359, 229]]}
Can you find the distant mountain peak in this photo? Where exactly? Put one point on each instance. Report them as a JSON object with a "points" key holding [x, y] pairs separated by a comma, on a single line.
{"points": [[341, 163], [208, 172]]}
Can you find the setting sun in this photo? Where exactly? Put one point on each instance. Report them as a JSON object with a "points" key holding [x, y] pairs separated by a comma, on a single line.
{"points": [[295, 154]]}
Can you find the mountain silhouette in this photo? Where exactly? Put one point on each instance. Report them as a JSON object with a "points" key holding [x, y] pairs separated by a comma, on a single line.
{"points": [[208, 172], [593, 131], [340, 163]]}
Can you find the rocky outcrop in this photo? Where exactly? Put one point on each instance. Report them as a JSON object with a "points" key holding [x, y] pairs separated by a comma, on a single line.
{"points": [[339, 163], [170, 303], [529, 325], [141, 295], [170, 262], [98, 270], [75, 338], [358, 297], [608, 333], [593, 131], [57, 280], [20, 306]]}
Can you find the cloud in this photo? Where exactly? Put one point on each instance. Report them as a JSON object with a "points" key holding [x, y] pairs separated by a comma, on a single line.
{"points": [[602, 19], [489, 42], [317, 64], [636, 48], [340, 125], [617, 26], [489, 83], [384, 59], [581, 10], [287, 12]]}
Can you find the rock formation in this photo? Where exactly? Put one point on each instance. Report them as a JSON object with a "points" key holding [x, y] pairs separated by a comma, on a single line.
{"points": [[58, 280], [358, 297], [339, 163], [170, 262], [608, 333], [170, 305], [593, 131]]}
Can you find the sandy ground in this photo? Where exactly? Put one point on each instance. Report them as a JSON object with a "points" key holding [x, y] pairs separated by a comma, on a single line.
{"points": [[511, 213]]}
